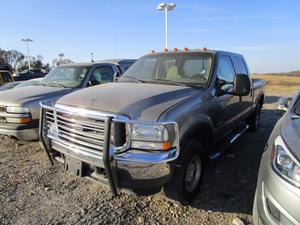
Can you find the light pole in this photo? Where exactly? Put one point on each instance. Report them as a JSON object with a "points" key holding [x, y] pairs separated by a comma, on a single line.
{"points": [[27, 40], [166, 7]]}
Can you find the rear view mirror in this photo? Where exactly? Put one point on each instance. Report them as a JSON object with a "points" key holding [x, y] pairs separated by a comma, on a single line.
{"points": [[117, 76], [241, 85]]}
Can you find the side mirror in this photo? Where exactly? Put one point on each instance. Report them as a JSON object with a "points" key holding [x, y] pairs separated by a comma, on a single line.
{"points": [[283, 104], [241, 85], [93, 83], [117, 76]]}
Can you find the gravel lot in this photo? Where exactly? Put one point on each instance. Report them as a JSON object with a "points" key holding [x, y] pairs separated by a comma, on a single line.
{"points": [[31, 192]]}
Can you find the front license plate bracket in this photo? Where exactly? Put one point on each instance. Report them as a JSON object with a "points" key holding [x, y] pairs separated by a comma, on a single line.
{"points": [[73, 165]]}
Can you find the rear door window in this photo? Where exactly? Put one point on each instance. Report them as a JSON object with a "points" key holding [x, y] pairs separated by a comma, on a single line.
{"points": [[225, 70], [240, 65]]}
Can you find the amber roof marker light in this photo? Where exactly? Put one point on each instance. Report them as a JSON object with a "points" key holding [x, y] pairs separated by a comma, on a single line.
{"points": [[166, 7]]}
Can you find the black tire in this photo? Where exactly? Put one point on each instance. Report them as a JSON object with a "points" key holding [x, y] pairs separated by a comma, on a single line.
{"points": [[254, 120], [184, 184]]}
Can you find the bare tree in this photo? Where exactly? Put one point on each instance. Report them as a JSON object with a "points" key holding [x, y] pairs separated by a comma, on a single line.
{"points": [[61, 60], [12, 57]]}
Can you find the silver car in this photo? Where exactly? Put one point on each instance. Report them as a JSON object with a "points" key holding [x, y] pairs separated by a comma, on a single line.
{"points": [[20, 109], [277, 197]]}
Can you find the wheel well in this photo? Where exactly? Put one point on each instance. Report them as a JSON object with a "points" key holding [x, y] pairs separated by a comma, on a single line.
{"points": [[203, 133]]}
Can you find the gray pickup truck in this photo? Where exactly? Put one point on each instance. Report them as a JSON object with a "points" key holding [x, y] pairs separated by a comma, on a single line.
{"points": [[157, 126], [20, 109]]}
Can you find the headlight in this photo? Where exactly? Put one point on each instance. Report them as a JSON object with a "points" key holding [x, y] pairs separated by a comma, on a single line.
{"points": [[154, 136], [284, 163], [17, 109]]}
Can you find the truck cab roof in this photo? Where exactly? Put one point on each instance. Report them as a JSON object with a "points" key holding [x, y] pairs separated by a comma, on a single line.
{"points": [[211, 51], [104, 61]]}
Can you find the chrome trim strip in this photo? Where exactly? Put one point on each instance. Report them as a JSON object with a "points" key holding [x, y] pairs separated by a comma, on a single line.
{"points": [[15, 115], [75, 148], [146, 157]]}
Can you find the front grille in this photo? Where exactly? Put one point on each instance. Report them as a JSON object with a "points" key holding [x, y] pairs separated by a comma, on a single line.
{"points": [[78, 131]]}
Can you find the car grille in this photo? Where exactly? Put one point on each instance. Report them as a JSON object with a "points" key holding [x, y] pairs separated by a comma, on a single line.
{"points": [[78, 131]]}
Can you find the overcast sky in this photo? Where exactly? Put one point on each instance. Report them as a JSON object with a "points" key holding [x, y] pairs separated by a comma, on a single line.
{"points": [[266, 32]]}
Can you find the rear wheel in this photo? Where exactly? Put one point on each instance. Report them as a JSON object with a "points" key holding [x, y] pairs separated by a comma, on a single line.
{"points": [[254, 120], [187, 175]]}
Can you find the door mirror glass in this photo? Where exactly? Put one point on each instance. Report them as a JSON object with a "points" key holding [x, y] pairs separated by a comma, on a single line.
{"points": [[241, 85], [225, 87]]}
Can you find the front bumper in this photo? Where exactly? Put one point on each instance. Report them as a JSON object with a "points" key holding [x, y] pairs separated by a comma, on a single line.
{"points": [[27, 132], [133, 169], [273, 194]]}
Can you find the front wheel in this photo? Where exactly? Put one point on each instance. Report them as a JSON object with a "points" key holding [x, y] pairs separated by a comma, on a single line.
{"points": [[187, 175], [254, 119]]}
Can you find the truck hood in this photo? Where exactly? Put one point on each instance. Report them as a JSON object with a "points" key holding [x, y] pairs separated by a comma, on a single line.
{"points": [[27, 95], [139, 101], [290, 131]]}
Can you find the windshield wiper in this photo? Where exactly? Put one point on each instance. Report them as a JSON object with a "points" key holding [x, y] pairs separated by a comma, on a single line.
{"points": [[134, 78], [57, 84], [170, 82]]}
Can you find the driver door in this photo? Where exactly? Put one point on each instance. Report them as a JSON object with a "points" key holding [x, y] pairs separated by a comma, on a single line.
{"points": [[228, 103]]}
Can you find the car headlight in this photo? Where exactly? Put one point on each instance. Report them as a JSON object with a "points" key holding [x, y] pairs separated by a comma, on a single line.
{"points": [[17, 109], [284, 163], [154, 136]]}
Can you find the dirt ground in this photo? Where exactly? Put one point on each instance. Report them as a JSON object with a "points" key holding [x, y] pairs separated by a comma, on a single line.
{"points": [[32, 192]]}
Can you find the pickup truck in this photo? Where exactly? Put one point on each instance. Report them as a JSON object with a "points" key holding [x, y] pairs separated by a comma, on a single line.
{"points": [[29, 74], [20, 109], [168, 114]]}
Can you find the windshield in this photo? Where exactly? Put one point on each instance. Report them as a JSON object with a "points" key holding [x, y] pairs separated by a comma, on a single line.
{"points": [[186, 68], [66, 76]]}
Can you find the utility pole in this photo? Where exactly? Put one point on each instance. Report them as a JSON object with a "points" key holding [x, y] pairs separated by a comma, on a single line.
{"points": [[166, 7], [26, 40]]}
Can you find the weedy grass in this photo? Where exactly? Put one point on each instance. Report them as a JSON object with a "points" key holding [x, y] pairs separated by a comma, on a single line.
{"points": [[280, 84]]}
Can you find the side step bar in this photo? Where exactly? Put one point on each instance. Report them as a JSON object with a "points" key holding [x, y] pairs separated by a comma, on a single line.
{"points": [[232, 137]]}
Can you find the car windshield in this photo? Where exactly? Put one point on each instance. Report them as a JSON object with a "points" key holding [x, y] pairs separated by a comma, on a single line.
{"points": [[180, 68], [65, 76]]}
